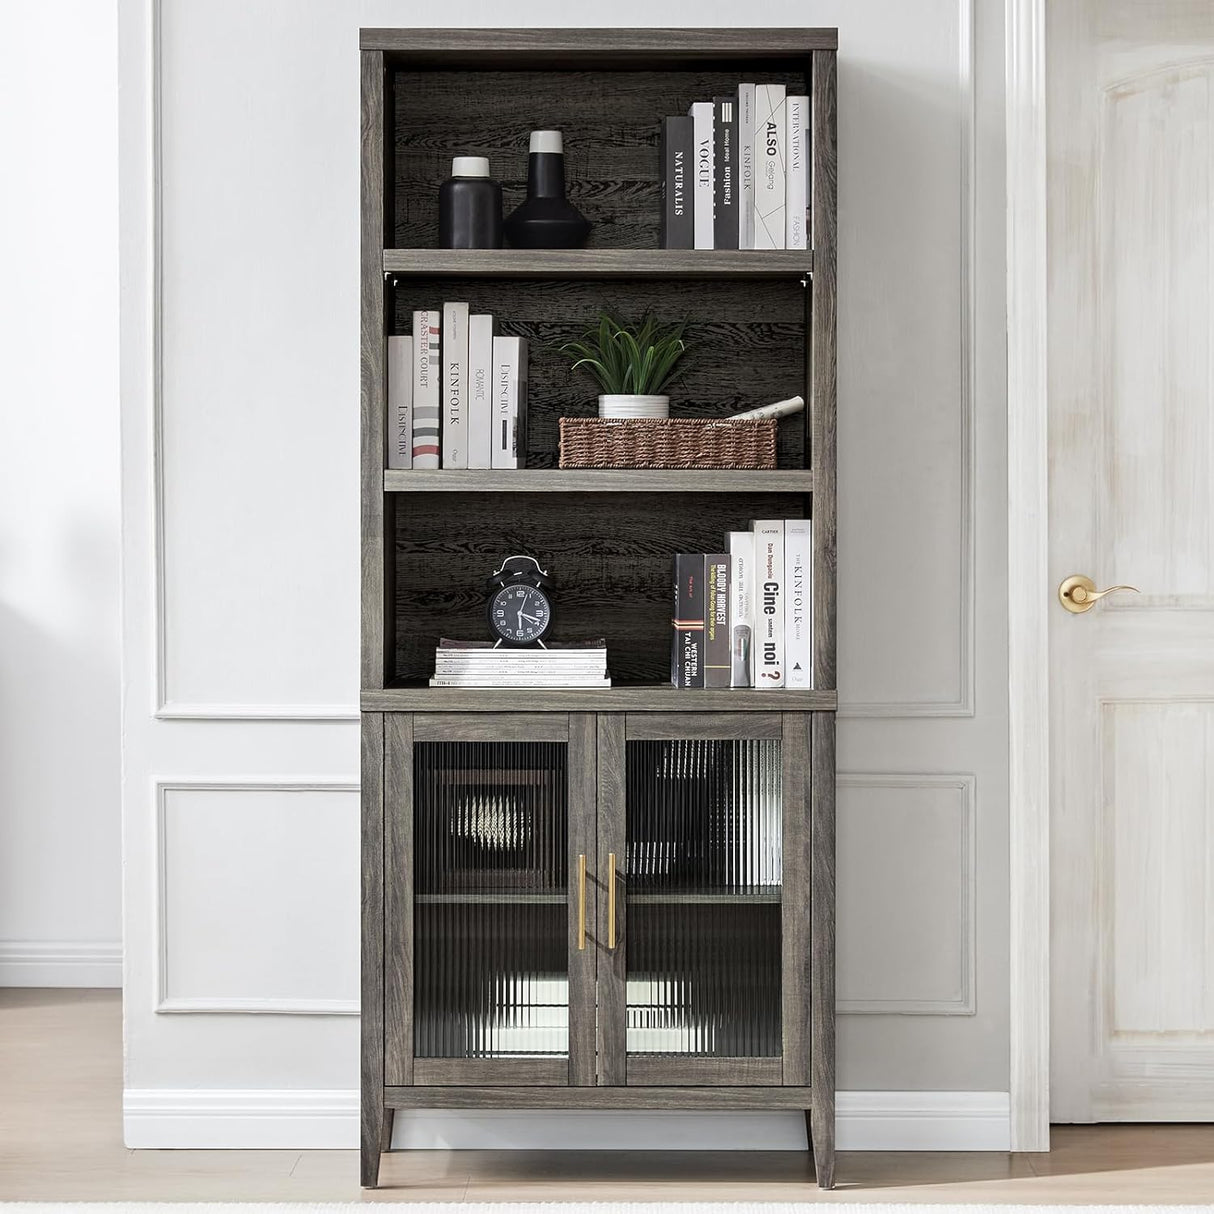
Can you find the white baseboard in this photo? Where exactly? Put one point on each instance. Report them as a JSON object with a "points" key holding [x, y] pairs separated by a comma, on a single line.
{"points": [[328, 1120], [60, 963]]}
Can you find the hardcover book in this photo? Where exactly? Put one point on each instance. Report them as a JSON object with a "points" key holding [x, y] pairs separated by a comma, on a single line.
{"points": [[509, 402], [677, 228], [725, 170], [400, 402], [769, 602], [480, 391], [701, 118], [769, 166], [687, 647], [455, 385], [741, 608], [746, 166], [798, 603], [716, 620], [426, 396], [796, 185]]}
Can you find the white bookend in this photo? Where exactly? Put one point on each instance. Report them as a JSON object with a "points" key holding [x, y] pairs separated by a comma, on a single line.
{"points": [[705, 181], [427, 371], [769, 602], [400, 402], [769, 166], [480, 391], [746, 166], [796, 178], [509, 402], [455, 385], [798, 603], [741, 608]]}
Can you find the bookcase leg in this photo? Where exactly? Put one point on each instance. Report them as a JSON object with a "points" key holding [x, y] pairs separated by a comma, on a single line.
{"points": [[820, 1126], [375, 1129]]}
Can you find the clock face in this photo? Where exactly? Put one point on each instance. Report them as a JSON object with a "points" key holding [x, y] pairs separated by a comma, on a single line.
{"points": [[520, 615]]}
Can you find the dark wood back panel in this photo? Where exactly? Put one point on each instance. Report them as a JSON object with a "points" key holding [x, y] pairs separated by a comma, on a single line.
{"points": [[746, 339], [610, 556]]}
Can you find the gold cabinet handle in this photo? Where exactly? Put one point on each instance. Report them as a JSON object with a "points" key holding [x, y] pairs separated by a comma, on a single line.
{"points": [[581, 901], [611, 899], [1078, 593]]}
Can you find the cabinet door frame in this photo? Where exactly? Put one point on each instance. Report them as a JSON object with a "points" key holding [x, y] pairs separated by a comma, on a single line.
{"points": [[792, 1066], [403, 731]]}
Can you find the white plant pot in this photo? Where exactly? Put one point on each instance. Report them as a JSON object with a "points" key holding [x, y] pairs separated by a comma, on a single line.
{"points": [[619, 405]]}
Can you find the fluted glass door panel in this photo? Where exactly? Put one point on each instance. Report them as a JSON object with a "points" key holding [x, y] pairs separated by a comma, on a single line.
{"points": [[491, 891], [704, 872]]}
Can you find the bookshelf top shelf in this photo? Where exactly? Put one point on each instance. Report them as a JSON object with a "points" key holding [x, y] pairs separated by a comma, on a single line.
{"points": [[600, 263], [597, 480], [638, 698]]}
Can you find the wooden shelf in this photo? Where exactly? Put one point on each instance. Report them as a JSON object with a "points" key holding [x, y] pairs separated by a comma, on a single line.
{"points": [[598, 480], [660, 698], [600, 263]]}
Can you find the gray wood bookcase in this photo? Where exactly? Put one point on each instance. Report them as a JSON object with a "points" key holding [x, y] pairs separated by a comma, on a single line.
{"points": [[620, 898]]}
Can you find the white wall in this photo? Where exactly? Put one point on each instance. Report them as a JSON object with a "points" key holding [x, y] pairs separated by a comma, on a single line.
{"points": [[240, 543], [60, 890]]}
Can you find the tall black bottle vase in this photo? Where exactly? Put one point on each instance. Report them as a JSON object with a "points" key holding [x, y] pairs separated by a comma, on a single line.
{"points": [[546, 219]]}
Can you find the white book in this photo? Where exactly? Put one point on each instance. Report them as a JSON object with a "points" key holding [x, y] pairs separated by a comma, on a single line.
{"points": [[798, 603], [509, 402], [746, 166], [769, 166], [741, 608], [796, 177], [519, 681], [480, 391], [427, 370], [769, 602], [705, 181], [400, 402], [455, 385]]}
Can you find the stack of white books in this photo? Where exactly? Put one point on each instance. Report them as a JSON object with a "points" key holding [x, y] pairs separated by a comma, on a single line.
{"points": [[482, 664]]}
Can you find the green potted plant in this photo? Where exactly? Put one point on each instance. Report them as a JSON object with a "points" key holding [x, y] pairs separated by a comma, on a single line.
{"points": [[632, 364]]}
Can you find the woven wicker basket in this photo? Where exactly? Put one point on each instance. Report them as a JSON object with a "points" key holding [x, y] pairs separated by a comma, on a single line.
{"points": [[677, 442]]}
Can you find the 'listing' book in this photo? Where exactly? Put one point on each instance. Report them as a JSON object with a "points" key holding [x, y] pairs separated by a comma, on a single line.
{"points": [[509, 402], [725, 169], [769, 602], [400, 402], [678, 231], [716, 620], [426, 393], [769, 166], [687, 646], [455, 385]]}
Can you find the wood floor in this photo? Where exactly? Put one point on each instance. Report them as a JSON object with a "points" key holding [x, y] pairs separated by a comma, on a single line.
{"points": [[61, 1140]]}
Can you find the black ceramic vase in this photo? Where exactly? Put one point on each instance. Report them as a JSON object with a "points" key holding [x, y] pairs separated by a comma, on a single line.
{"points": [[547, 219], [470, 207]]}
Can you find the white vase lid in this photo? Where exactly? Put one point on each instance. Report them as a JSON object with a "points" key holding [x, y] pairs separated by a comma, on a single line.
{"points": [[470, 166], [547, 141]]}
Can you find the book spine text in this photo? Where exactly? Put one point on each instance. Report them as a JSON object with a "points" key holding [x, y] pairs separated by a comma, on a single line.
{"points": [[701, 118], [426, 393], [796, 185], [725, 168], [769, 166], [769, 603], [687, 648], [798, 603], [678, 230], [400, 402], [480, 391]]}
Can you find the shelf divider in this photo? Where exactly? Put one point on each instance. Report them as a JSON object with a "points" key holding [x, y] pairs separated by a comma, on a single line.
{"points": [[635, 698], [599, 480]]}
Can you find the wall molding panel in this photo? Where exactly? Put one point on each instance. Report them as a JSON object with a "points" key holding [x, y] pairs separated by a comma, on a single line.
{"points": [[327, 1119], [963, 1003], [250, 1004]]}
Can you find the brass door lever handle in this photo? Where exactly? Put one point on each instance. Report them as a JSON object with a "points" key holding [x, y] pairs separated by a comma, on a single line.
{"points": [[1078, 593]]}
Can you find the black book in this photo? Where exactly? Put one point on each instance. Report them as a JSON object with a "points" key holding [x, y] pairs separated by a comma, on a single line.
{"points": [[716, 620], [725, 161], [676, 144], [687, 648]]}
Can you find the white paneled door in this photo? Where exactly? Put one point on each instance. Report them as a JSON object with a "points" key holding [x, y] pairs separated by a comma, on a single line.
{"points": [[1131, 402]]}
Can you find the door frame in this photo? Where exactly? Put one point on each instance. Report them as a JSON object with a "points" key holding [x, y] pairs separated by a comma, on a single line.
{"points": [[1028, 578]]}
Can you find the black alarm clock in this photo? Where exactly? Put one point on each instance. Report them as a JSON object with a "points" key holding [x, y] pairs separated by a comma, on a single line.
{"points": [[520, 606]]}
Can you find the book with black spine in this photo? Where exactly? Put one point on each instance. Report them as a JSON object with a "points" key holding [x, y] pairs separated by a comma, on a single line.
{"points": [[687, 645], [796, 178], [455, 385], [725, 170], [702, 172], [480, 391], [427, 370], [770, 135], [798, 603], [769, 602], [746, 166], [717, 665], [675, 151], [400, 402]]}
